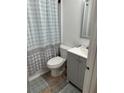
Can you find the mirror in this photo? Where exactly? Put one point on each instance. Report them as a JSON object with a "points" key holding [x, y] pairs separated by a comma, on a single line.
{"points": [[85, 19]]}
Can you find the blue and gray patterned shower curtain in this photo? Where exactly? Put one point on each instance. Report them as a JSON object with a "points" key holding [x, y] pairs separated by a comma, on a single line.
{"points": [[43, 33]]}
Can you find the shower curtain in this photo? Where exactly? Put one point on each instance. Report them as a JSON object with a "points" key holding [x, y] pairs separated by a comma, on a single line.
{"points": [[43, 34]]}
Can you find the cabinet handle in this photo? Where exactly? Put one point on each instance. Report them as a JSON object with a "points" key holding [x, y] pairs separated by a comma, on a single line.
{"points": [[87, 68]]}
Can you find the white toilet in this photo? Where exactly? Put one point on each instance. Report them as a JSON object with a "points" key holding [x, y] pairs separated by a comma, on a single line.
{"points": [[56, 64]]}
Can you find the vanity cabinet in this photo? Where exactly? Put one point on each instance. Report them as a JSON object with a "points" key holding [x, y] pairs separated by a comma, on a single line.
{"points": [[76, 67]]}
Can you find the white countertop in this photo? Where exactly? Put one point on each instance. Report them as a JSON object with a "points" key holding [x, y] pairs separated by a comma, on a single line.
{"points": [[80, 51]]}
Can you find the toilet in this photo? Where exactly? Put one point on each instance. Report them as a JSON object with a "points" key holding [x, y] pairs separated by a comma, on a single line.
{"points": [[56, 64]]}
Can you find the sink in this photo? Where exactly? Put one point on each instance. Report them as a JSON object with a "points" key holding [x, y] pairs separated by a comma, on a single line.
{"points": [[80, 51]]}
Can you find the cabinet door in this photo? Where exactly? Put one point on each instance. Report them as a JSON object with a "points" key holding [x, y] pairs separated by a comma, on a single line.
{"points": [[72, 69], [82, 68], [76, 69]]}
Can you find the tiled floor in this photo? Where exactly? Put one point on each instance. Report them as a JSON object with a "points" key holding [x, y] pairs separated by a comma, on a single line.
{"points": [[55, 83], [49, 84], [70, 89]]}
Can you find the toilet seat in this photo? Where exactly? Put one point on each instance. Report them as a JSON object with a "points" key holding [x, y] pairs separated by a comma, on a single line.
{"points": [[55, 62]]}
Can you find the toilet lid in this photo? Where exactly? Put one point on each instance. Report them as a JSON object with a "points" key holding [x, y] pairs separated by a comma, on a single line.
{"points": [[56, 60]]}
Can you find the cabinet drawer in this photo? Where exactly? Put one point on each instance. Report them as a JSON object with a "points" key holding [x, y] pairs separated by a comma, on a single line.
{"points": [[77, 58]]}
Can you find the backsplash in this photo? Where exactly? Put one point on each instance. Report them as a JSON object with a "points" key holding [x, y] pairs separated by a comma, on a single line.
{"points": [[84, 42]]}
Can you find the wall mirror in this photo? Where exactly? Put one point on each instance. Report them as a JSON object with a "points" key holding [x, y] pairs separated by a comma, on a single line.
{"points": [[85, 19]]}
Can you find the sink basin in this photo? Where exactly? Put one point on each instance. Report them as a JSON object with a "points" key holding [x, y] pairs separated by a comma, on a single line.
{"points": [[80, 51]]}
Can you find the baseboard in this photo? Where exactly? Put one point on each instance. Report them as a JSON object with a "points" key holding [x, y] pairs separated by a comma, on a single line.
{"points": [[37, 74]]}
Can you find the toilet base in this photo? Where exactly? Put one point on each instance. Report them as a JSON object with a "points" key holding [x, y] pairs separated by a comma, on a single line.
{"points": [[56, 72]]}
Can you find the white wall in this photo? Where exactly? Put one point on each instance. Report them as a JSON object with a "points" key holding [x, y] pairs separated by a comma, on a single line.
{"points": [[71, 22]]}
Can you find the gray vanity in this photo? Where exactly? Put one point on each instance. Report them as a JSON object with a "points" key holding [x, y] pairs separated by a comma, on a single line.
{"points": [[76, 66]]}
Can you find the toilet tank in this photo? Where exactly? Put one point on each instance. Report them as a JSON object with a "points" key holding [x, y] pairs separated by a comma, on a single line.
{"points": [[63, 51]]}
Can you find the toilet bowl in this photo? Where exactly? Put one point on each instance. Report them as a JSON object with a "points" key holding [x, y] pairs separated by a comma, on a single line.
{"points": [[55, 64]]}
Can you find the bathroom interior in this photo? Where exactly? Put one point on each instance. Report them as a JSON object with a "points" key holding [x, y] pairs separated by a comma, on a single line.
{"points": [[61, 41]]}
